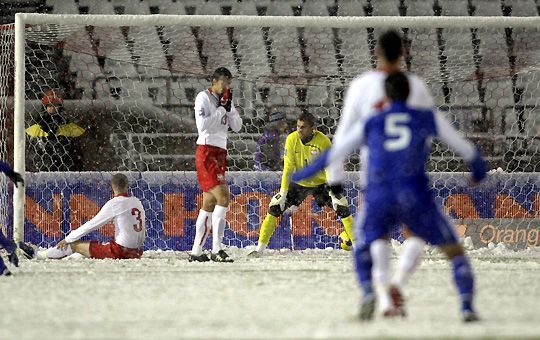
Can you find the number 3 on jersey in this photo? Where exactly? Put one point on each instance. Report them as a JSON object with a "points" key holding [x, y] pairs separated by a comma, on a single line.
{"points": [[395, 128], [137, 213]]}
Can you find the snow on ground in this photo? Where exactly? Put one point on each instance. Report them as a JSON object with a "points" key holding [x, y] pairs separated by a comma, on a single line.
{"points": [[301, 294]]}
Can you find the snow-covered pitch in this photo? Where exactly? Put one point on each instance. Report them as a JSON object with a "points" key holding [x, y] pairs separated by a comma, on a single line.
{"points": [[300, 294]]}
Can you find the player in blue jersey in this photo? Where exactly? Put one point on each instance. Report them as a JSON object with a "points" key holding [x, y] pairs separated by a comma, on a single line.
{"points": [[399, 141], [6, 243]]}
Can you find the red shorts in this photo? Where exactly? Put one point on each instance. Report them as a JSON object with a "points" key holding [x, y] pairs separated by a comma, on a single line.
{"points": [[112, 250], [211, 163]]}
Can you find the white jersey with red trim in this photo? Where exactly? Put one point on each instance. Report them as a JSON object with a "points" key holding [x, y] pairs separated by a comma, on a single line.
{"points": [[365, 96], [213, 121], [128, 216]]}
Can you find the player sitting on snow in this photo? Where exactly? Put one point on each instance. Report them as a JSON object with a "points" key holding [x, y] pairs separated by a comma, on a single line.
{"points": [[128, 216], [301, 147]]}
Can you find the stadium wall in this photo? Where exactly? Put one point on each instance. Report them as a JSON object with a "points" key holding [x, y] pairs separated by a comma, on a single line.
{"points": [[504, 209]]}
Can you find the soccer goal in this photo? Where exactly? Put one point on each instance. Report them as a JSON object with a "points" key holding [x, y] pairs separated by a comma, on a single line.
{"points": [[127, 83]]}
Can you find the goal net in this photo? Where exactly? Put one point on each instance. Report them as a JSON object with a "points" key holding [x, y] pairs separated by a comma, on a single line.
{"points": [[122, 89]]}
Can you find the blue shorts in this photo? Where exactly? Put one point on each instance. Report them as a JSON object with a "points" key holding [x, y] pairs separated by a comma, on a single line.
{"points": [[415, 209]]}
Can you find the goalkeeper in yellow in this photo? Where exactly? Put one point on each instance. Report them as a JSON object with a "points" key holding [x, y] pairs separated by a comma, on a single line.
{"points": [[301, 147]]}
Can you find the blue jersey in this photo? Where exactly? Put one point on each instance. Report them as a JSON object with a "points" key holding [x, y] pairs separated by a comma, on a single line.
{"points": [[398, 141]]}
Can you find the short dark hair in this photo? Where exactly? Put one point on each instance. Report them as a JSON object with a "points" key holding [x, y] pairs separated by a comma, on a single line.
{"points": [[396, 86], [390, 45], [120, 182], [221, 72], [307, 117]]}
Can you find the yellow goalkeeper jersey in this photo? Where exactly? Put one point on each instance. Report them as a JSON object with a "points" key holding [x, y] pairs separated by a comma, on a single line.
{"points": [[298, 154]]}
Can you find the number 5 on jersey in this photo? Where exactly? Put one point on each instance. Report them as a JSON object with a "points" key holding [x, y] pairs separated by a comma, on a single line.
{"points": [[395, 128]]}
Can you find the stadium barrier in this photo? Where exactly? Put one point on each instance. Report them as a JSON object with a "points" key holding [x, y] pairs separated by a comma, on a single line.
{"points": [[504, 209]]}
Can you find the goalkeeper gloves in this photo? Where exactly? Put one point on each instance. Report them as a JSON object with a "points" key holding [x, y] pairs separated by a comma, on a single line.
{"points": [[15, 177], [279, 199], [226, 99], [336, 194]]}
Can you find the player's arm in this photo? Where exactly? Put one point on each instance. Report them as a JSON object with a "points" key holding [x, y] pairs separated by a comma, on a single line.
{"points": [[289, 164], [345, 122], [205, 115], [335, 155], [102, 217], [288, 167], [235, 121], [15, 177], [453, 138]]}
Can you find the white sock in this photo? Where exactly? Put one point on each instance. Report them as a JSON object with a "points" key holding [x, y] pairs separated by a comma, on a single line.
{"points": [[218, 227], [410, 257], [202, 229], [55, 253], [380, 254], [261, 247]]}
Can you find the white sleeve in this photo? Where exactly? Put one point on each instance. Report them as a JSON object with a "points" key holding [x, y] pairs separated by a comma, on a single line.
{"points": [[335, 171], [204, 117], [348, 116], [453, 138], [342, 148], [420, 96], [103, 216], [235, 121]]}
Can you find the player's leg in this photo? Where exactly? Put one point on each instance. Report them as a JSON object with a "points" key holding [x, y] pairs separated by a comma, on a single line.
{"points": [[381, 214], [363, 265], [10, 247], [50, 253], [463, 278], [409, 258], [339, 203], [433, 226], [4, 271], [222, 195], [203, 225], [372, 244], [295, 196], [210, 163]]}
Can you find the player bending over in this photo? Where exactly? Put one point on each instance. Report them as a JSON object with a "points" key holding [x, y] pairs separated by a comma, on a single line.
{"points": [[214, 114], [128, 216], [398, 191], [6, 243], [301, 147]]}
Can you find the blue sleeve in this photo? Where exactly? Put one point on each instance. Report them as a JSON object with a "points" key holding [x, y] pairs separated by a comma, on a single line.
{"points": [[5, 168], [478, 166], [312, 168]]}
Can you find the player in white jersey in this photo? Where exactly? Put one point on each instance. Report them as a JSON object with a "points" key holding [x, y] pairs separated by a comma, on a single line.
{"points": [[364, 97], [214, 114], [128, 216]]}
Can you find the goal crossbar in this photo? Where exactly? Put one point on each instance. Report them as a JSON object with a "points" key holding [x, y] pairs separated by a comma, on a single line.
{"points": [[24, 21], [276, 21]]}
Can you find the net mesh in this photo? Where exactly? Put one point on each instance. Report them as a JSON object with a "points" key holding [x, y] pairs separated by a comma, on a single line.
{"points": [[6, 83], [128, 96]]}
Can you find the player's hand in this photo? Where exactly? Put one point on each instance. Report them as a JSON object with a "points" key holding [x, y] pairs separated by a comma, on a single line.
{"points": [[338, 199], [15, 177], [62, 245], [226, 99], [279, 199], [336, 189]]}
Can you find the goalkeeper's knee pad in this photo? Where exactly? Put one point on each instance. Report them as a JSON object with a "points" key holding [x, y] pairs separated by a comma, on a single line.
{"points": [[342, 211], [275, 210]]}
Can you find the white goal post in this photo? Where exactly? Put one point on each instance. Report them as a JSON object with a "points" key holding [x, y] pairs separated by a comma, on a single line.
{"points": [[460, 77]]}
